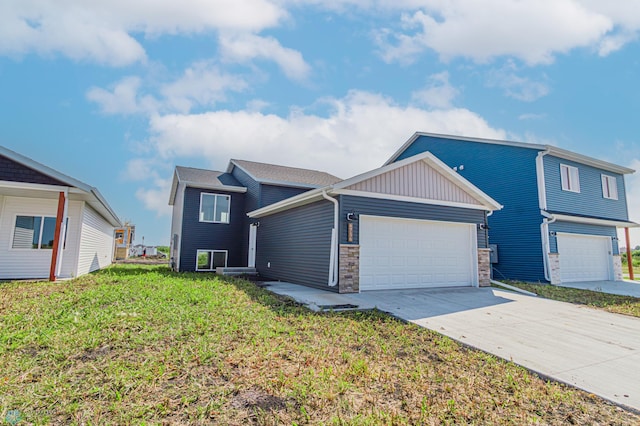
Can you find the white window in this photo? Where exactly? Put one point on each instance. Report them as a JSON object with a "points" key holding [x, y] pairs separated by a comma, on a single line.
{"points": [[609, 187], [214, 208], [34, 232], [570, 178], [209, 260]]}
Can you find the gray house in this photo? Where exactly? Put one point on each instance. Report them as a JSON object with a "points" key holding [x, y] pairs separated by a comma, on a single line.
{"points": [[411, 224]]}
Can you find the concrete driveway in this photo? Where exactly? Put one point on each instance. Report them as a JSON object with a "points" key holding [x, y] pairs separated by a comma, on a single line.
{"points": [[623, 288], [593, 350]]}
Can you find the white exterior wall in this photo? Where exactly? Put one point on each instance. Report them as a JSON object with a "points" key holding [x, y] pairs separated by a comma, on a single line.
{"points": [[96, 242], [176, 225], [30, 263]]}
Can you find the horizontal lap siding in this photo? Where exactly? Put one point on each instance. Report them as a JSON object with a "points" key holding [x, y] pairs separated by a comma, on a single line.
{"points": [[402, 209], [589, 201], [297, 243], [16, 172], [508, 175], [581, 228], [270, 194], [198, 235], [96, 242]]}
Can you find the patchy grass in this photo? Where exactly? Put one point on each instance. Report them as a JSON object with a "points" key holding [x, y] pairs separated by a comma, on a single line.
{"points": [[135, 344], [627, 305]]}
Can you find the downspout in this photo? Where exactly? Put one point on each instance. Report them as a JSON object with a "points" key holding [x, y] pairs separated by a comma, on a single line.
{"points": [[542, 203], [333, 261]]}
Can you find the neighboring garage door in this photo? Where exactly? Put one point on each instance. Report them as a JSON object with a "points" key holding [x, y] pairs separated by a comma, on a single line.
{"points": [[584, 257], [407, 253]]}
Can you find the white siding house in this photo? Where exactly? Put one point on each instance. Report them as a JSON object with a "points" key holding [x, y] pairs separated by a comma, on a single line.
{"points": [[36, 204]]}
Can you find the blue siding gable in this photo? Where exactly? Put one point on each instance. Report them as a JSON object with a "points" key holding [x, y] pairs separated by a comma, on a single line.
{"points": [[508, 175], [589, 201], [253, 188], [212, 236], [270, 194]]}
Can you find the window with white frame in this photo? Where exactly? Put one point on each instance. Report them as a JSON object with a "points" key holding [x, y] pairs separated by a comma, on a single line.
{"points": [[570, 178], [214, 208], [609, 187], [209, 260], [34, 232]]}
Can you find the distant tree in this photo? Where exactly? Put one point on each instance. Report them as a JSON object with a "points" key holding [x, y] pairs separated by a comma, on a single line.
{"points": [[163, 249]]}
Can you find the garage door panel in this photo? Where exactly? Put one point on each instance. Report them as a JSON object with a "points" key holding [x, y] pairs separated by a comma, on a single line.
{"points": [[405, 253], [584, 257]]}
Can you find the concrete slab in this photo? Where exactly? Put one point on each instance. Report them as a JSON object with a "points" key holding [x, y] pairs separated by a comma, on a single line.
{"points": [[624, 288], [591, 349]]}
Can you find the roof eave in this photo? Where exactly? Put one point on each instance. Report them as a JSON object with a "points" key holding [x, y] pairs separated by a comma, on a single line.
{"points": [[590, 161]]}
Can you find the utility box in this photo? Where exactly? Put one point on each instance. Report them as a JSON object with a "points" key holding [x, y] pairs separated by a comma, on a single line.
{"points": [[493, 254]]}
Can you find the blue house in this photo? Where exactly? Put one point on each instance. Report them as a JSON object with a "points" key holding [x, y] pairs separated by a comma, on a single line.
{"points": [[561, 209], [414, 223]]}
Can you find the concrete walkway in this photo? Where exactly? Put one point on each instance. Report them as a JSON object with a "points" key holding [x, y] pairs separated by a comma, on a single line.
{"points": [[591, 349], [624, 288]]}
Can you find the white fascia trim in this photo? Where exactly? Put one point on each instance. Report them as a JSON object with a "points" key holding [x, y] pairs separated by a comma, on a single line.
{"points": [[380, 196], [462, 138], [38, 187], [301, 199], [227, 188], [583, 159], [433, 161], [591, 221], [542, 190]]}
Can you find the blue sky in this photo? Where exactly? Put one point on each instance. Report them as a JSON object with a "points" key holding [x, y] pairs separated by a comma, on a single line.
{"points": [[116, 94]]}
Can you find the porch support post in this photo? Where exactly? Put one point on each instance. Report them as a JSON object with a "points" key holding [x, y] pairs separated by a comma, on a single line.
{"points": [[629, 258], [56, 238]]}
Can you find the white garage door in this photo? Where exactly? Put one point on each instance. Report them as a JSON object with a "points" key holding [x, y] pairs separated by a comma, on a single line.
{"points": [[584, 257], [406, 253]]}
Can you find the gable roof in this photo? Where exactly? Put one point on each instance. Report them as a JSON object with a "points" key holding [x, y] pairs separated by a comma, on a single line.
{"points": [[282, 175], [482, 200], [202, 178], [93, 196], [552, 150]]}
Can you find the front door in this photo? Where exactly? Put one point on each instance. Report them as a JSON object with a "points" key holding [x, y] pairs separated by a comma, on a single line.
{"points": [[253, 232]]}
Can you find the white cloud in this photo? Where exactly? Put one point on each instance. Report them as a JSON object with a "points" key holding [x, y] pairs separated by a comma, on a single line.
{"points": [[438, 93], [103, 32], [202, 84], [531, 116], [360, 133], [246, 47], [123, 98], [514, 86], [156, 198], [531, 30]]}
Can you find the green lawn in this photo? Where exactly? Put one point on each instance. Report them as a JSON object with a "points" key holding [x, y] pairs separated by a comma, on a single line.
{"points": [[610, 302], [134, 344]]}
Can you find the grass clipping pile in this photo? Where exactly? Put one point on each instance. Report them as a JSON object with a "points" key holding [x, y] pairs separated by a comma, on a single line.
{"points": [[134, 343]]}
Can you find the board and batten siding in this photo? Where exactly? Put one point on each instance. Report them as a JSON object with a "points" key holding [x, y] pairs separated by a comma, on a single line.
{"points": [[582, 228], [213, 236], [35, 263], [294, 245], [589, 201], [508, 175], [406, 210], [96, 242], [417, 180]]}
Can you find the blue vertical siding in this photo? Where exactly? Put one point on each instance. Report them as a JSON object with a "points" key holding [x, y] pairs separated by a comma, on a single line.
{"points": [[401, 209], [589, 201], [270, 194], [508, 175], [297, 244], [198, 235], [581, 228]]}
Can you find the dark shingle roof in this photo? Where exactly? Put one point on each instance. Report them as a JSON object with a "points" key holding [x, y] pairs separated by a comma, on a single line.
{"points": [[271, 173], [206, 177]]}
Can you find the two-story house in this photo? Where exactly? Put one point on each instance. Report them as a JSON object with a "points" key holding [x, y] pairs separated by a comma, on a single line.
{"points": [[561, 209]]}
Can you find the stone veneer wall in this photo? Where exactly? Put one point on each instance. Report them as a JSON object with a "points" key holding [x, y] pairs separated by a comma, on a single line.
{"points": [[617, 268], [484, 267], [554, 268], [349, 279]]}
